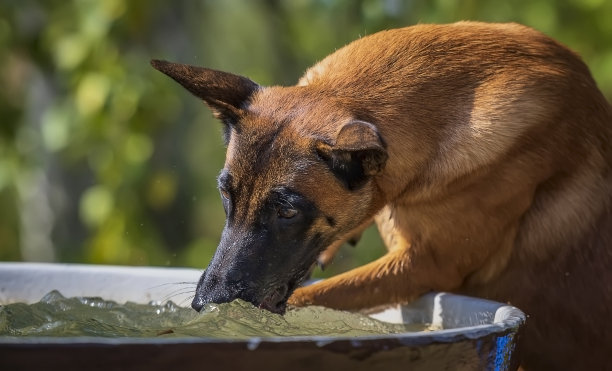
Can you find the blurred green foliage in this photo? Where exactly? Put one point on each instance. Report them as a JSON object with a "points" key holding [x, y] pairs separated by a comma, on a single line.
{"points": [[104, 160]]}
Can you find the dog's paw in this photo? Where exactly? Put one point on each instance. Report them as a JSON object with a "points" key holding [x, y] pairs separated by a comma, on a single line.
{"points": [[300, 298]]}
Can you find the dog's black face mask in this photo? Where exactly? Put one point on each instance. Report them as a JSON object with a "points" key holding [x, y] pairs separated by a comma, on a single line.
{"points": [[264, 259], [271, 238]]}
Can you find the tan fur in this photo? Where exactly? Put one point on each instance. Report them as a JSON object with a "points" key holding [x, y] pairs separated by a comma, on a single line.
{"points": [[488, 156], [497, 184]]}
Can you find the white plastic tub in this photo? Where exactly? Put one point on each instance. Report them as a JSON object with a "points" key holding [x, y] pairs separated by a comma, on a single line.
{"points": [[477, 334]]}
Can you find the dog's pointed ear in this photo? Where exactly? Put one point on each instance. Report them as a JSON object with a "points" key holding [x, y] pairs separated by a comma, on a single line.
{"points": [[226, 94], [357, 154]]}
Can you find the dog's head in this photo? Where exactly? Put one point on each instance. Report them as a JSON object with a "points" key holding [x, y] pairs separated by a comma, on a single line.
{"points": [[298, 176]]}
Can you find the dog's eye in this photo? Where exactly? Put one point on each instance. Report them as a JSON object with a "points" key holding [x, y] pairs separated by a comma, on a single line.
{"points": [[225, 194], [287, 212]]}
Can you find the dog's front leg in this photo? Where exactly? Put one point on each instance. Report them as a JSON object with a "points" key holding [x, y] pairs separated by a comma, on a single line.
{"points": [[399, 276]]}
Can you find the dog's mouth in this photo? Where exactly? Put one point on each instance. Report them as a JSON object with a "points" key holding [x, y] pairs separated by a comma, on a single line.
{"points": [[275, 299]]}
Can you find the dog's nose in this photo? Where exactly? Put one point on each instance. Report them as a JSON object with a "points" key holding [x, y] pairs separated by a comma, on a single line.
{"points": [[197, 303], [212, 289]]}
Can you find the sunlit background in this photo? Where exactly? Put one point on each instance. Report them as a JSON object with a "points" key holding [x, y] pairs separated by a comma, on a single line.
{"points": [[105, 160]]}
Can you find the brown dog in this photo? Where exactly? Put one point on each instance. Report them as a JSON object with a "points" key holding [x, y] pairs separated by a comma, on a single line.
{"points": [[482, 151]]}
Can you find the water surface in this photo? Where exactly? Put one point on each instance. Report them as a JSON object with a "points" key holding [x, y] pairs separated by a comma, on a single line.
{"points": [[58, 316]]}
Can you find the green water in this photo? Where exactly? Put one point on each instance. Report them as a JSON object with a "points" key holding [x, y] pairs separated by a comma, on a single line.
{"points": [[55, 315]]}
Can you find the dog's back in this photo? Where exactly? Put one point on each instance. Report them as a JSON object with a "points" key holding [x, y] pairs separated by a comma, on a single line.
{"points": [[497, 130]]}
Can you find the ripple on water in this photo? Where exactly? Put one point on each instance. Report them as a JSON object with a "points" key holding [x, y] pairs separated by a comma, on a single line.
{"points": [[56, 315]]}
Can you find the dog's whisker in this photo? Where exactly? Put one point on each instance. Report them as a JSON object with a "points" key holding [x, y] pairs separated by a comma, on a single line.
{"points": [[187, 300], [184, 283], [175, 294]]}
